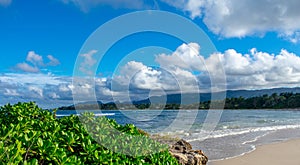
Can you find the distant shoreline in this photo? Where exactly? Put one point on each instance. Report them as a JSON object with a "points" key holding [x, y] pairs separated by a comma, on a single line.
{"points": [[284, 109], [275, 101]]}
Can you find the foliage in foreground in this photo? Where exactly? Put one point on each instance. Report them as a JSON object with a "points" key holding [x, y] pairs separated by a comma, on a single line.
{"points": [[30, 135]]}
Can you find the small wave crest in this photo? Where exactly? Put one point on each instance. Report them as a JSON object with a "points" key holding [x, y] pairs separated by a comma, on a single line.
{"points": [[202, 135]]}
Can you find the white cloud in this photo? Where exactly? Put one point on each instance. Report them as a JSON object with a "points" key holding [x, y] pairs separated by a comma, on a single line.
{"points": [[193, 7], [88, 58], [35, 62], [131, 73], [185, 80], [42, 88], [27, 68], [53, 61], [35, 59], [183, 71], [86, 5], [49, 89], [186, 56], [259, 70], [38, 79], [131, 68], [147, 78], [135, 75], [182, 63], [5, 2], [54, 95], [240, 18], [88, 62], [255, 70], [11, 92], [36, 90], [65, 87]]}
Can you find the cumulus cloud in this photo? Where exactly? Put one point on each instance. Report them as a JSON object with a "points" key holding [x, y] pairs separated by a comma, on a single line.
{"points": [[34, 62], [240, 18], [186, 56], [183, 71], [259, 70], [138, 81], [5, 2], [131, 69], [86, 5], [186, 70], [138, 75], [35, 59], [147, 79], [254, 70], [173, 75], [193, 7]]}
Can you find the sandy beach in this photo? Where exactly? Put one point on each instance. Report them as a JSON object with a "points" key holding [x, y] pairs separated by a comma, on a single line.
{"points": [[284, 153]]}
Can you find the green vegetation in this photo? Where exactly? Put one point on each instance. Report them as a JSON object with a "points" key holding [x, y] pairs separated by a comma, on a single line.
{"points": [[30, 135], [274, 101]]}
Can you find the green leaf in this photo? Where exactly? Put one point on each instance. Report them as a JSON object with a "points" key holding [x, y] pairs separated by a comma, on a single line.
{"points": [[40, 142], [49, 140]]}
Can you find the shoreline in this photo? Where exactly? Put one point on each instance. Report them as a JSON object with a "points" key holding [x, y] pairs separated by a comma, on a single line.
{"points": [[285, 152], [248, 152]]}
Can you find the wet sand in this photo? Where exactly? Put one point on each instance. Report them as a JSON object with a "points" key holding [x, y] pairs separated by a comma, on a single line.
{"points": [[284, 153]]}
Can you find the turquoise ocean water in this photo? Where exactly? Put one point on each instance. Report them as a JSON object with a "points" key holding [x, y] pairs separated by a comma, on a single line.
{"points": [[234, 133]]}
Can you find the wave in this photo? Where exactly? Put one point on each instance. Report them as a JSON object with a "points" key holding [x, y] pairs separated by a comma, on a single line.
{"points": [[230, 127], [265, 121], [202, 135], [96, 114]]}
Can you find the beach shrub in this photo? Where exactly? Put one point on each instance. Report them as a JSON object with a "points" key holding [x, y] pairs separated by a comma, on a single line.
{"points": [[31, 135]]}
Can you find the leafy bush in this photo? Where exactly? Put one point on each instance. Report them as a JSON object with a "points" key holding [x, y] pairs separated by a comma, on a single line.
{"points": [[31, 135]]}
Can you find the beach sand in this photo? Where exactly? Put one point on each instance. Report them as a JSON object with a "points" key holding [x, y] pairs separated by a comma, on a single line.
{"points": [[284, 153]]}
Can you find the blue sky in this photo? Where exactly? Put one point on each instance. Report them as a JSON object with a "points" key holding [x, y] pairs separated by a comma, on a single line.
{"points": [[257, 47]]}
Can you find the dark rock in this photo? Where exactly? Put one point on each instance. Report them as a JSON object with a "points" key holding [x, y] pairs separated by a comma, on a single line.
{"points": [[181, 146], [183, 152], [185, 155]]}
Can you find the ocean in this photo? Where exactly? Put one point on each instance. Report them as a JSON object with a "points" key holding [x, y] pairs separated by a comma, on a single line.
{"points": [[220, 134]]}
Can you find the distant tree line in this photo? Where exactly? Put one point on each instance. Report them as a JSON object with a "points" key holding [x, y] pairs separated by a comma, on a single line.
{"points": [[87, 106], [274, 101]]}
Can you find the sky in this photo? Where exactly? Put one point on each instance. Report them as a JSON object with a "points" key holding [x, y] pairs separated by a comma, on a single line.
{"points": [[56, 52]]}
